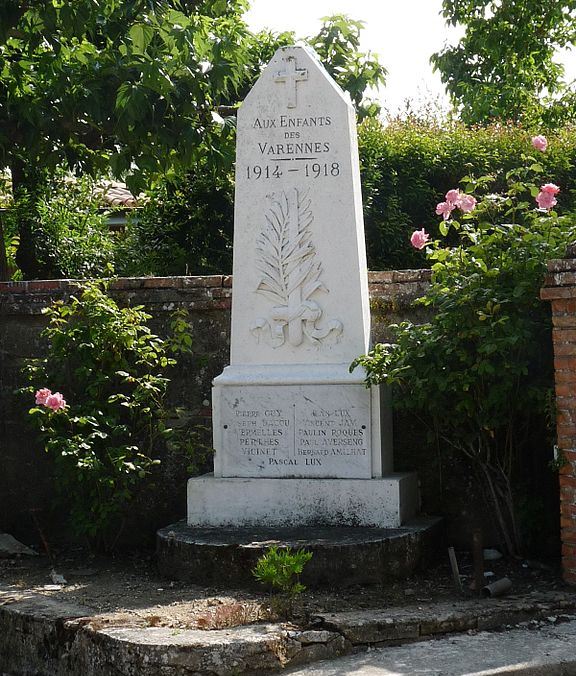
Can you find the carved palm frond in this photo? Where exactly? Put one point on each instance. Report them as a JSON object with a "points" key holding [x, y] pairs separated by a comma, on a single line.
{"points": [[287, 258], [269, 246]]}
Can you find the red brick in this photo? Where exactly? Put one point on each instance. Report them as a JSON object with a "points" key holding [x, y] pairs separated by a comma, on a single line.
{"points": [[47, 285], [570, 457], [566, 442], [569, 576], [562, 278], [564, 320], [385, 277], [163, 283], [569, 551], [564, 305], [567, 509], [207, 280], [563, 335], [565, 377], [565, 363], [566, 403], [561, 264], [565, 390], [553, 292], [565, 417], [566, 522], [568, 535], [567, 481], [227, 281], [564, 348], [127, 283], [221, 293]]}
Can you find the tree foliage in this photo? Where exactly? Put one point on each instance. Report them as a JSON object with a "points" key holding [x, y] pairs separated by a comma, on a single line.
{"points": [[504, 66], [130, 85], [337, 45]]}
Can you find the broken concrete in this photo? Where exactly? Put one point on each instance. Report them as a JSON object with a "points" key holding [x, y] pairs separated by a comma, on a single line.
{"points": [[9, 546], [45, 637]]}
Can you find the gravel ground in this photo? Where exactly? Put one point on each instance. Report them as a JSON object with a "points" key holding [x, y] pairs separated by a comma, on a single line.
{"points": [[127, 590]]}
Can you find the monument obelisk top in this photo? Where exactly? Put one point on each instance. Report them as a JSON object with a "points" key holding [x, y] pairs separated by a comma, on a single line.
{"points": [[300, 278]]}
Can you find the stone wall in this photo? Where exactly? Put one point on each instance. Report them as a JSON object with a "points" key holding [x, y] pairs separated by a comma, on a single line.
{"points": [[26, 487], [560, 290]]}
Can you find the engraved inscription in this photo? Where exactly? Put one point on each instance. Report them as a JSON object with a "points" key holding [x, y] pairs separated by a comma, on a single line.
{"points": [[290, 76], [291, 274], [296, 435]]}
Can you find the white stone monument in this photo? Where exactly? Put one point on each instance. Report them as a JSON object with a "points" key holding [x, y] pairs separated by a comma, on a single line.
{"points": [[299, 440]]}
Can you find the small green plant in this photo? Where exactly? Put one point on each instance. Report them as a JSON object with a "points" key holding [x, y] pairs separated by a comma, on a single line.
{"points": [[108, 420], [281, 569]]}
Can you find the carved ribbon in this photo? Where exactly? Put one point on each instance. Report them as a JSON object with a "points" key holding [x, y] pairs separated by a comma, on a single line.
{"points": [[309, 313]]}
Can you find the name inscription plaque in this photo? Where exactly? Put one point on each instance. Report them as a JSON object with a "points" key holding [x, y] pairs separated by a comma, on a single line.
{"points": [[311, 431]]}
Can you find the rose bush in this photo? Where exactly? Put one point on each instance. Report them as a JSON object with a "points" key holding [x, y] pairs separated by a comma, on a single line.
{"points": [[475, 374], [106, 439]]}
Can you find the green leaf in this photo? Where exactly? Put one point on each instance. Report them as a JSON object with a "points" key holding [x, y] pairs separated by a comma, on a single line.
{"points": [[141, 35]]}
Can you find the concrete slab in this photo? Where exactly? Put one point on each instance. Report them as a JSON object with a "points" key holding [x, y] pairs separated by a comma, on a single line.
{"points": [[534, 651], [46, 637]]}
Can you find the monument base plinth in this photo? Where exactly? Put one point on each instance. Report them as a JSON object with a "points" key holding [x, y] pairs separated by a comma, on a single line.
{"points": [[243, 503], [340, 556]]}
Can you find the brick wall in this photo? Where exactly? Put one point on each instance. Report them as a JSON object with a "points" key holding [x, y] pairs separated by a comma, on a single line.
{"points": [[560, 290]]}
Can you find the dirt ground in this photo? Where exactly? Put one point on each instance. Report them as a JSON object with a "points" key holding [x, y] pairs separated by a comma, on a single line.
{"points": [[128, 590]]}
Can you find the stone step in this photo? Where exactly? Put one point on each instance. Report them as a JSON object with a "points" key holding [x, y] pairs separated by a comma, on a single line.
{"points": [[341, 556], [45, 637]]}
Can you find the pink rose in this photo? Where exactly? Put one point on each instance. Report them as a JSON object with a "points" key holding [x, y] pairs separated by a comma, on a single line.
{"points": [[55, 401], [546, 200], [445, 209], [539, 143], [42, 395], [453, 196], [419, 239], [466, 202], [551, 188]]}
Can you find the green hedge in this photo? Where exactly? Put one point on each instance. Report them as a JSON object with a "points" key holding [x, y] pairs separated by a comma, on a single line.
{"points": [[407, 167]]}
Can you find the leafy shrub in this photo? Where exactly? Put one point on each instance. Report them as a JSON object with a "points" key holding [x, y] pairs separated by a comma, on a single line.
{"points": [[185, 229], [111, 370], [72, 229], [475, 375], [281, 569], [408, 165]]}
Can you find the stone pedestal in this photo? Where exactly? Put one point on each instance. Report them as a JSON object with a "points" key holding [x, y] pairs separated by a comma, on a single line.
{"points": [[341, 556], [382, 503]]}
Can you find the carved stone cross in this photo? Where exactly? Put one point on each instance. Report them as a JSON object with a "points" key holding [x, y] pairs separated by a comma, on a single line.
{"points": [[291, 75]]}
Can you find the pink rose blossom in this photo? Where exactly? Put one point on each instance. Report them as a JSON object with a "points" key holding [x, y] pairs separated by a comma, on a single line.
{"points": [[551, 188], [539, 143], [445, 209], [42, 395], [453, 196], [466, 202], [55, 401], [546, 200], [419, 239]]}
